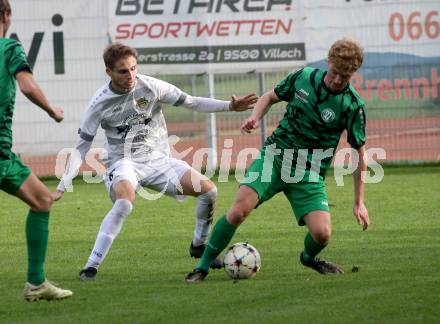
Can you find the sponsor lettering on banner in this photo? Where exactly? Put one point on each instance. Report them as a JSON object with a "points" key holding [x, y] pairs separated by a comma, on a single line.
{"points": [[208, 36]]}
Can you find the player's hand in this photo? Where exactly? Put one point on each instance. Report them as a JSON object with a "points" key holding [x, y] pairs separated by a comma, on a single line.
{"points": [[361, 214], [243, 103], [249, 125], [57, 114], [57, 195]]}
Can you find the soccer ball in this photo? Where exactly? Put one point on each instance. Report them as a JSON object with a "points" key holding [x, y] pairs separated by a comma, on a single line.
{"points": [[242, 261]]}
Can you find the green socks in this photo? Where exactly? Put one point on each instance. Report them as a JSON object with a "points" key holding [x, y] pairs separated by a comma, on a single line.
{"points": [[311, 248], [220, 237], [37, 233]]}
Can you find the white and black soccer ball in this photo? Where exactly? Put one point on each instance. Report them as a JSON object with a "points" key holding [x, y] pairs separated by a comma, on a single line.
{"points": [[242, 261]]}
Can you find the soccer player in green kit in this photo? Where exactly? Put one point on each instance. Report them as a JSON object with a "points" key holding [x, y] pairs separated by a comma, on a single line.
{"points": [[295, 158], [15, 177]]}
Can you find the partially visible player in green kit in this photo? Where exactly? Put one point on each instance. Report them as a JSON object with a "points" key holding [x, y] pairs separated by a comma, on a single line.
{"points": [[15, 177], [295, 158]]}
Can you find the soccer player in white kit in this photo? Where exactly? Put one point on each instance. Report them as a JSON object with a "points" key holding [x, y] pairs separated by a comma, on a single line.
{"points": [[129, 110]]}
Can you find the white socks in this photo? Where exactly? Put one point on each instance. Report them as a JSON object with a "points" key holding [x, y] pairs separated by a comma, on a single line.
{"points": [[110, 228], [112, 224], [204, 216]]}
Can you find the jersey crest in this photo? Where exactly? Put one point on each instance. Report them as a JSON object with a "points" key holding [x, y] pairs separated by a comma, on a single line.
{"points": [[328, 115], [141, 102]]}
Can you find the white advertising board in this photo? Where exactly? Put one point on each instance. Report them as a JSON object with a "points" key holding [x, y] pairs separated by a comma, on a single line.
{"points": [[196, 36]]}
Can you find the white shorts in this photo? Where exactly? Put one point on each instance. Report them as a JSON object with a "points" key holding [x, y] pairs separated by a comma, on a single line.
{"points": [[161, 175]]}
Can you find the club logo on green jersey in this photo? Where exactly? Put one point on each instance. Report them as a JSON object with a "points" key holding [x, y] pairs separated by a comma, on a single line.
{"points": [[328, 115]]}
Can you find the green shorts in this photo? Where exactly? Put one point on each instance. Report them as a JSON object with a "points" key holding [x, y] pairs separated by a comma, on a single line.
{"points": [[304, 196], [12, 173]]}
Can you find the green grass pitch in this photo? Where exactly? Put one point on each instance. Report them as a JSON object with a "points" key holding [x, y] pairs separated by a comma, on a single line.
{"points": [[142, 279]]}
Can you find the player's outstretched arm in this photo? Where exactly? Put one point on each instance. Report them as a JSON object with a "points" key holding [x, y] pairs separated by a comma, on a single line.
{"points": [[359, 209], [211, 105], [30, 88], [261, 108]]}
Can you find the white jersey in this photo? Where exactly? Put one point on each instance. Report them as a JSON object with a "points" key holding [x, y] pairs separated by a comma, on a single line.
{"points": [[133, 122]]}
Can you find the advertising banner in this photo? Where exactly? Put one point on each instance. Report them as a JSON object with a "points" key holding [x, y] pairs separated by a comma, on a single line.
{"points": [[63, 41], [401, 39], [196, 36]]}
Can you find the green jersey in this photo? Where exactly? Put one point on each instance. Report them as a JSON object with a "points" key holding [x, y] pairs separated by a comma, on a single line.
{"points": [[315, 117], [12, 61]]}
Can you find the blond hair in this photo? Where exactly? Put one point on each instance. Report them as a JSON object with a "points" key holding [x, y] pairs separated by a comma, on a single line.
{"points": [[346, 55]]}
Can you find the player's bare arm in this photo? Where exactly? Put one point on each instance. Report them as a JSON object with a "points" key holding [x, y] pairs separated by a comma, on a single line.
{"points": [[261, 108], [359, 209], [33, 92]]}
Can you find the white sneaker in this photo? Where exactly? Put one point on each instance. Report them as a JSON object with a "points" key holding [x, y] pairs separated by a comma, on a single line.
{"points": [[46, 290]]}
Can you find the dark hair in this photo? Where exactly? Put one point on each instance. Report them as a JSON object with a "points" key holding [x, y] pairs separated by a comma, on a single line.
{"points": [[5, 7], [115, 52]]}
